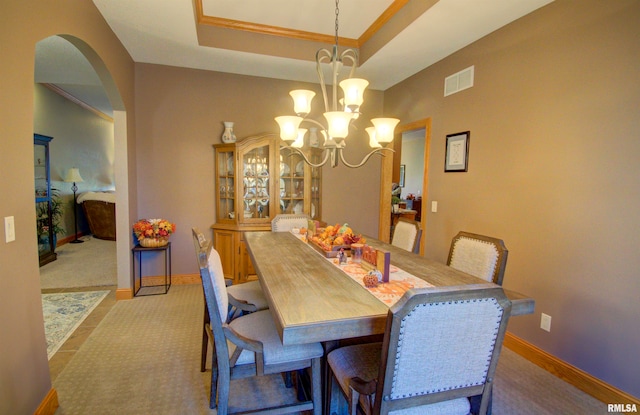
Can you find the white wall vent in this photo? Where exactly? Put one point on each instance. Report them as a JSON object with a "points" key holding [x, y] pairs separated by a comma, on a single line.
{"points": [[458, 81]]}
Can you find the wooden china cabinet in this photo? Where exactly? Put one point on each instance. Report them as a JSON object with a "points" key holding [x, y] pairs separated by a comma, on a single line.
{"points": [[254, 181]]}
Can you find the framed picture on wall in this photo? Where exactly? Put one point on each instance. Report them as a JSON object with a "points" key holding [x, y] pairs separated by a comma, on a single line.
{"points": [[402, 171], [456, 156]]}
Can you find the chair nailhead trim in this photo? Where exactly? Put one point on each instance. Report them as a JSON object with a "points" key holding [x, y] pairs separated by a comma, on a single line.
{"points": [[401, 339]]}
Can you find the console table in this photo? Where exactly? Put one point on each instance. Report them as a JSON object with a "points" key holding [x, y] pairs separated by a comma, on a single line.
{"points": [[154, 289]]}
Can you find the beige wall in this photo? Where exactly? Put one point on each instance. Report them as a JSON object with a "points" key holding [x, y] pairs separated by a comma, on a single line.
{"points": [[24, 372], [179, 117], [553, 170]]}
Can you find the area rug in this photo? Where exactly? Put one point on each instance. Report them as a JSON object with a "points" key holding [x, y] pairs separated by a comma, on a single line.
{"points": [[64, 312]]}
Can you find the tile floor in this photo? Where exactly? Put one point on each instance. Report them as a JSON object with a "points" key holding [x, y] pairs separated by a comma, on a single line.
{"points": [[73, 343]]}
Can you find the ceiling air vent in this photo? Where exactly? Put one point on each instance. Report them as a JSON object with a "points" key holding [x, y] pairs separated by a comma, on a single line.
{"points": [[458, 81]]}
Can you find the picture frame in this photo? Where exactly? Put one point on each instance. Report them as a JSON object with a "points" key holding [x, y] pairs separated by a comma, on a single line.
{"points": [[402, 173], [456, 158]]}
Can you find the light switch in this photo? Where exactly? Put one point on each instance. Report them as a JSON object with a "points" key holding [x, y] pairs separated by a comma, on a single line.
{"points": [[9, 229], [434, 206]]}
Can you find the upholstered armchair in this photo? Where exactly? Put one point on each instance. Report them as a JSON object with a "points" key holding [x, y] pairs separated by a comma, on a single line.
{"points": [[481, 256], [440, 347]]}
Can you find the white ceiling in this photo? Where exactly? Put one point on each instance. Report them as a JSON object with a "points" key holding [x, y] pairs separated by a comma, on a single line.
{"points": [[164, 32]]}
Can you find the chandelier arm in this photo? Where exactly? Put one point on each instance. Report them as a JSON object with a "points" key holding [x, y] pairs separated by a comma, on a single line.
{"points": [[306, 159], [322, 55], [351, 55], [365, 159]]}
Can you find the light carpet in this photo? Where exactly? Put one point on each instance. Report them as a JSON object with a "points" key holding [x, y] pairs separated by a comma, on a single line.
{"points": [[63, 314], [89, 264], [144, 358]]}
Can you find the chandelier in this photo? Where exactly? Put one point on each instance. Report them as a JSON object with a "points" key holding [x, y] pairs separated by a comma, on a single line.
{"points": [[338, 115]]}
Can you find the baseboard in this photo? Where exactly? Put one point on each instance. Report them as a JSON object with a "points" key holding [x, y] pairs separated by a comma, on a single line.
{"points": [[181, 279], [570, 374], [68, 239], [124, 294], [49, 404]]}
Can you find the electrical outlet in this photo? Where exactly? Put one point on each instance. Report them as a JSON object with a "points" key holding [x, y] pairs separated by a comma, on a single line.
{"points": [[9, 229], [545, 322], [434, 206]]}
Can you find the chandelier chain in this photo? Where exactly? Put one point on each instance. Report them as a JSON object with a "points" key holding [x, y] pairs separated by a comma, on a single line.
{"points": [[337, 13]]}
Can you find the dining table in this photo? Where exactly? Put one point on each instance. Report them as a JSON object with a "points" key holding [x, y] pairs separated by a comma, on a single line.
{"points": [[312, 300]]}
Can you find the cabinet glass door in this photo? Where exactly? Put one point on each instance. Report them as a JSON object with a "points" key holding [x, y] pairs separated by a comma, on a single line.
{"points": [[256, 197], [316, 180], [226, 184], [292, 185]]}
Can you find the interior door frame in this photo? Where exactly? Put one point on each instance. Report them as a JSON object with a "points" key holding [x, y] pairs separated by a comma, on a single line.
{"points": [[386, 175]]}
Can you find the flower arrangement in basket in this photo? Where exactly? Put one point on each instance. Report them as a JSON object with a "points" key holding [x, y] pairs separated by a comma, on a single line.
{"points": [[152, 233]]}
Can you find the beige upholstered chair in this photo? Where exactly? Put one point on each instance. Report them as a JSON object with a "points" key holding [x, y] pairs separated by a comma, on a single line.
{"points": [[249, 346], [243, 298], [406, 235], [481, 256], [441, 347], [284, 222]]}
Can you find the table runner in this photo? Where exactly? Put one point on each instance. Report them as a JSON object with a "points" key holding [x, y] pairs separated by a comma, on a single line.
{"points": [[389, 293]]}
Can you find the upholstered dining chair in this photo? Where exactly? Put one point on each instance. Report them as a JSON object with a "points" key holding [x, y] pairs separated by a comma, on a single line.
{"points": [[249, 346], [440, 347], [481, 256], [406, 235], [243, 298], [284, 222]]}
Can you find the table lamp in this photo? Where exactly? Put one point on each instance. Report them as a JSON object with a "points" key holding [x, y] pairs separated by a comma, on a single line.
{"points": [[73, 176]]}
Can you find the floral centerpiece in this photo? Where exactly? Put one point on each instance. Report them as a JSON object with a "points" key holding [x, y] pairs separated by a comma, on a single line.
{"points": [[153, 233]]}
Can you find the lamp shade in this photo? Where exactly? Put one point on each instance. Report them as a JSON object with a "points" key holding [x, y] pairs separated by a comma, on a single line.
{"points": [[299, 143], [288, 127], [373, 143], [353, 89], [338, 123], [302, 100], [73, 176], [385, 129]]}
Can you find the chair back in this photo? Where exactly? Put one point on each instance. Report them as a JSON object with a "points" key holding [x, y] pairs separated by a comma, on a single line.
{"points": [[213, 283], [481, 256], [441, 344], [199, 240], [406, 235], [284, 222]]}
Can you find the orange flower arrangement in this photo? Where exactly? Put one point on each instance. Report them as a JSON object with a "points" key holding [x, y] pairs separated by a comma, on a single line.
{"points": [[153, 228]]}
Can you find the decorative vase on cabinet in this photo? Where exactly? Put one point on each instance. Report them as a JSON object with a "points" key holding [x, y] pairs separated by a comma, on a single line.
{"points": [[228, 136]]}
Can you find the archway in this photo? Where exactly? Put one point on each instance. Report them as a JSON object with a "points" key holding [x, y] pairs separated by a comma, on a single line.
{"points": [[120, 162]]}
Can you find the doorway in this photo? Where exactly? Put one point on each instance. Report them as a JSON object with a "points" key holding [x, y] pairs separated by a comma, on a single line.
{"points": [[390, 170], [118, 158]]}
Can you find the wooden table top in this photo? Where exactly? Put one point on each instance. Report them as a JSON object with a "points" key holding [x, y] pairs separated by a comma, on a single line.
{"points": [[313, 301]]}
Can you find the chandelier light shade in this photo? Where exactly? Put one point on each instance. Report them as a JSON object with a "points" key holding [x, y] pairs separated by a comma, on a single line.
{"points": [[373, 143], [353, 90], [299, 143], [385, 128], [302, 101], [289, 127], [338, 122], [338, 112]]}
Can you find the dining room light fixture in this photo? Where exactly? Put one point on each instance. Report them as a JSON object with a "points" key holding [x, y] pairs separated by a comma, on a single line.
{"points": [[338, 113]]}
